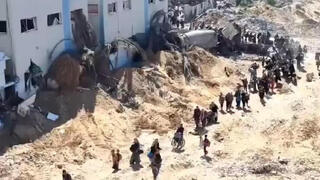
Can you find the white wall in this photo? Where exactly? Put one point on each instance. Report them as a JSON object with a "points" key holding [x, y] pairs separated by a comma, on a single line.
{"points": [[123, 23], [5, 38], [158, 5], [79, 4]]}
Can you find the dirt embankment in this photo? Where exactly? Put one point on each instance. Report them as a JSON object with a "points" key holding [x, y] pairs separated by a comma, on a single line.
{"points": [[163, 99]]}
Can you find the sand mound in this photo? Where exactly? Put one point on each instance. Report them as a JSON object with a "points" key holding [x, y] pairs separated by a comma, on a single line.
{"points": [[66, 71]]}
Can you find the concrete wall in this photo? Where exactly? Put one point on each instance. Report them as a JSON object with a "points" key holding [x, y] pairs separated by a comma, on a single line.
{"points": [[36, 44], [5, 38], [123, 23]]}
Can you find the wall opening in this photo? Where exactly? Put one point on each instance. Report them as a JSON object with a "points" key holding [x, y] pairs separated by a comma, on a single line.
{"points": [[112, 7], [93, 9], [29, 24], [3, 26], [127, 4], [54, 19]]}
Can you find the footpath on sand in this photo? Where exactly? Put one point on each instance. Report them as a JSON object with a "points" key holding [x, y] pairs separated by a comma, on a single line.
{"points": [[237, 136]]}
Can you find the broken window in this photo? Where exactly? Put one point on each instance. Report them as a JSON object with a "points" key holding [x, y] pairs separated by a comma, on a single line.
{"points": [[93, 8], [127, 4], [54, 19], [3, 26], [152, 1], [28, 24], [112, 7]]}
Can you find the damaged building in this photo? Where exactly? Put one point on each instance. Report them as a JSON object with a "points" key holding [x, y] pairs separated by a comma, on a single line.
{"points": [[114, 19], [33, 33], [193, 8]]}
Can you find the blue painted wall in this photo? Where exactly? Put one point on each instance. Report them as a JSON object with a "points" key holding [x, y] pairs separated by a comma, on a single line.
{"points": [[146, 16], [67, 24]]}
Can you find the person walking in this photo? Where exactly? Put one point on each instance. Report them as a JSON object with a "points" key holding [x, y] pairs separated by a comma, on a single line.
{"points": [[203, 118], [247, 98], [156, 164], [206, 144], [65, 175], [221, 100], [118, 159], [243, 99], [245, 83], [238, 97], [155, 147], [229, 99], [196, 116], [261, 93], [136, 151]]}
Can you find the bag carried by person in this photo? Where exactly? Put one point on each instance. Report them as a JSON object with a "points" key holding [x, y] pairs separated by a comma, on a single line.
{"points": [[150, 155]]}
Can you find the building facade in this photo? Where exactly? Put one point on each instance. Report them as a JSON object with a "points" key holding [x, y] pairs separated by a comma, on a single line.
{"points": [[32, 29], [114, 19]]}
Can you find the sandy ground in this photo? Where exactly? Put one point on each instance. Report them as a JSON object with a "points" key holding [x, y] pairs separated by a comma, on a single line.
{"points": [[277, 141]]}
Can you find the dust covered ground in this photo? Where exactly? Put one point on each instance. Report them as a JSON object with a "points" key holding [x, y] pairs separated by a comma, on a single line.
{"points": [[277, 141]]}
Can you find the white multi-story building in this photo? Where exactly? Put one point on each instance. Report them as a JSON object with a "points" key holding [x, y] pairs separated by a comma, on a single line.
{"points": [[30, 29], [113, 19]]}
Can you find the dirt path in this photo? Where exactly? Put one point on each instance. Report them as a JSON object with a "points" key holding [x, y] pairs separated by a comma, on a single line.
{"points": [[247, 136]]}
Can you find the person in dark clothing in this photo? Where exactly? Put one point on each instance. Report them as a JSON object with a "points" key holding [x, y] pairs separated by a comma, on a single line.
{"points": [[289, 55], [196, 116], [206, 143], [179, 133], [285, 71], [238, 97], [243, 99], [65, 175], [266, 85], [292, 70], [155, 146], [214, 110], [203, 118], [245, 84], [180, 129], [156, 164], [229, 99], [247, 98], [116, 157], [261, 93], [221, 100], [136, 151], [277, 74], [259, 38]]}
